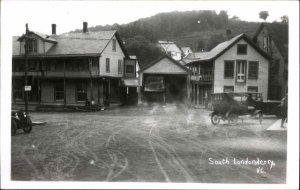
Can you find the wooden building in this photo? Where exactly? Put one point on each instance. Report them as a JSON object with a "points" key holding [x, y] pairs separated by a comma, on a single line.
{"points": [[273, 39], [70, 69], [235, 65], [165, 80]]}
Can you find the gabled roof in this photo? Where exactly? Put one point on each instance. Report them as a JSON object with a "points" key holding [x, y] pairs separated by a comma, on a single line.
{"points": [[160, 58], [196, 55], [40, 35], [76, 43], [279, 34], [223, 47], [169, 46]]}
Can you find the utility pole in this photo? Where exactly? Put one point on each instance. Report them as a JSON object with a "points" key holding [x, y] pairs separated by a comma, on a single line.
{"points": [[26, 70], [27, 39]]}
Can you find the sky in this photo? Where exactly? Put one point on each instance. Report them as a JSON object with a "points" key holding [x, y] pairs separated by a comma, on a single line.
{"points": [[69, 15]]}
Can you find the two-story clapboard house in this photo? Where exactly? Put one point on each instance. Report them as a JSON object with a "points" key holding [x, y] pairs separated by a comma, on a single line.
{"points": [[235, 65], [69, 69], [273, 39]]}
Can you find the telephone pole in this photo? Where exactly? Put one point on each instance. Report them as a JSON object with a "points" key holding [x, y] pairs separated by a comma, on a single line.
{"points": [[27, 39]]}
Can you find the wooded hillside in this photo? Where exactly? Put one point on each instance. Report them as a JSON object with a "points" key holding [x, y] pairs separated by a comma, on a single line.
{"points": [[200, 30]]}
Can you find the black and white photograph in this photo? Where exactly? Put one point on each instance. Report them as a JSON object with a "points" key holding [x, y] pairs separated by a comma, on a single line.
{"points": [[149, 94]]}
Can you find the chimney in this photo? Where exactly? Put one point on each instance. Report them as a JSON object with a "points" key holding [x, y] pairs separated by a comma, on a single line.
{"points": [[85, 27], [53, 29], [228, 34]]}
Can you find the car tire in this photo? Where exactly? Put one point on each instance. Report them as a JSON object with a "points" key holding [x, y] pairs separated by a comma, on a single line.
{"points": [[13, 127], [215, 119], [28, 126], [233, 119]]}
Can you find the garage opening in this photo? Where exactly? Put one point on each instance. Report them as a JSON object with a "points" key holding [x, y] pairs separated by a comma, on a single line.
{"points": [[165, 88]]}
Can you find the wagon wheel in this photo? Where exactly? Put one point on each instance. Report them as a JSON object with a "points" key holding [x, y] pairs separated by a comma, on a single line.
{"points": [[233, 119], [215, 119], [28, 126], [13, 127]]}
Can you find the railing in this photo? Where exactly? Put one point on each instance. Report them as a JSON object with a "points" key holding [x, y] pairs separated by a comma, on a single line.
{"points": [[204, 75]]}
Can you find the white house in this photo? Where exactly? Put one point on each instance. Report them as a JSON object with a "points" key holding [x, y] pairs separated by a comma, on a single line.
{"points": [[235, 65], [171, 49]]}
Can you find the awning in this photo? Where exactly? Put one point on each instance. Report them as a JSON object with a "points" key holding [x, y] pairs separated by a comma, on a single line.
{"points": [[131, 82]]}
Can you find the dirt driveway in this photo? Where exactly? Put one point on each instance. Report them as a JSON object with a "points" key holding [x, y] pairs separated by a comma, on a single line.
{"points": [[148, 144]]}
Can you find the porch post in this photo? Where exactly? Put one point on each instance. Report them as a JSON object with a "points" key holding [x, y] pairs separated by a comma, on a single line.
{"points": [[65, 97], [91, 79], [198, 94], [188, 88], [192, 98], [39, 91], [108, 91]]}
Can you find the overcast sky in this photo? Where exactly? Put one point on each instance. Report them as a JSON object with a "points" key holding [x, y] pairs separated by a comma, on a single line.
{"points": [[69, 15]]}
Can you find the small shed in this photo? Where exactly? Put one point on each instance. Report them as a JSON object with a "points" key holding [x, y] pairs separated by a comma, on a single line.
{"points": [[165, 80]]}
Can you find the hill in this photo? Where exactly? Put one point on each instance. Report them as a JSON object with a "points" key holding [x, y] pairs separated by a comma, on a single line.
{"points": [[200, 30]]}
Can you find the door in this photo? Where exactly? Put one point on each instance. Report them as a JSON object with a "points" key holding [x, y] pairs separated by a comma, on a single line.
{"points": [[241, 66]]}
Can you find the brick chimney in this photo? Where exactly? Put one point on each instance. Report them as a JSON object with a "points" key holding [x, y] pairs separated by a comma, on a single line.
{"points": [[85, 27], [53, 29], [228, 34]]}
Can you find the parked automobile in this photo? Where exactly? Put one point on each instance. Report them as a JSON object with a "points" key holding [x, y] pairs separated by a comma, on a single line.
{"points": [[229, 106], [19, 120]]}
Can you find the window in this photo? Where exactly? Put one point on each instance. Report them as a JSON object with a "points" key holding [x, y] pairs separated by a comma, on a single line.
{"points": [[59, 92], [18, 65], [129, 68], [83, 65], [241, 71], [114, 44], [252, 89], [107, 65], [242, 49], [228, 69], [228, 88], [253, 70], [31, 65], [120, 66], [32, 46], [81, 91], [18, 89]]}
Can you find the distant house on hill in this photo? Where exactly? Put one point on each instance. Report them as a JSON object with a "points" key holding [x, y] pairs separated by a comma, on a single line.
{"points": [[171, 49], [70, 69], [273, 39], [186, 51], [236, 65]]}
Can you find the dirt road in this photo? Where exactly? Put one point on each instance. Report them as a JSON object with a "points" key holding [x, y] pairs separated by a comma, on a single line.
{"points": [[148, 144]]}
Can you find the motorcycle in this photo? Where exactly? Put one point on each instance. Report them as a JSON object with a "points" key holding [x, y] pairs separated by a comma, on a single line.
{"points": [[20, 120]]}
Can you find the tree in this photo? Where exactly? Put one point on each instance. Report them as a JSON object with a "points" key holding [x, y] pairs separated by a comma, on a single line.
{"points": [[145, 50], [263, 15], [201, 45], [235, 18], [214, 40], [284, 19]]}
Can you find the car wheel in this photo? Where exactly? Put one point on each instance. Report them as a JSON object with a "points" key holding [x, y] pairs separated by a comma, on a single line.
{"points": [[215, 119], [233, 119], [28, 126], [13, 127]]}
